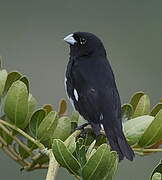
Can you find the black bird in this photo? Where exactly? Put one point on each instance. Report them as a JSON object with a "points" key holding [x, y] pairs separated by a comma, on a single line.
{"points": [[91, 87]]}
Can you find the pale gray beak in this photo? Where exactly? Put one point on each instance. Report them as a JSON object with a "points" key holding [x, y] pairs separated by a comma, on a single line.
{"points": [[70, 39]]}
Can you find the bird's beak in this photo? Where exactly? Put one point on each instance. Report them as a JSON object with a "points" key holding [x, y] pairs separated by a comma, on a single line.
{"points": [[70, 39]]}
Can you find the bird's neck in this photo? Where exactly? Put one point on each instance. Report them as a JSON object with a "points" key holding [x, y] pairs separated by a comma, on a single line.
{"points": [[98, 52]]}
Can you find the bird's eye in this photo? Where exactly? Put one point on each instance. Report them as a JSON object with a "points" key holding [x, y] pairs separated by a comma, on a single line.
{"points": [[82, 41]]}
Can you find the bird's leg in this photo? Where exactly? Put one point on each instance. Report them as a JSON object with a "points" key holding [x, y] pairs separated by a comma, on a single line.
{"points": [[81, 127], [96, 129]]}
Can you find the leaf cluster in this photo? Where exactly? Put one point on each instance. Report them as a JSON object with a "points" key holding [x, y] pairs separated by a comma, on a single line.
{"points": [[27, 132]]}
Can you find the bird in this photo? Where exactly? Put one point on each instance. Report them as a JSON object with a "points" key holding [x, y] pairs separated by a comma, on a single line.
{"points": [[91, 88]]}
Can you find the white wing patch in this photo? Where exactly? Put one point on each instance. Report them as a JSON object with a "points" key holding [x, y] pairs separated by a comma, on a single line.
{"points": [[76, 94], [101, 117], [102, 127], [70, 99], [65, 83]]}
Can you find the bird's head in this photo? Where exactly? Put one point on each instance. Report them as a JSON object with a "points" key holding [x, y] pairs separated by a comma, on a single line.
{"points": [[84, 44]]}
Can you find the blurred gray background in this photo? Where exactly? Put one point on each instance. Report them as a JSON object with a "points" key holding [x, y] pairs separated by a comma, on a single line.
{"points": [[31, 40]]}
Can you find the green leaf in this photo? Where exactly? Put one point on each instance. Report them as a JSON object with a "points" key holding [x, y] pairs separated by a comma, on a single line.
{"points": [[74, 116], [47, 126], [153, 133], [80, 152], [127, 111], [36, 119], [16, 103], [72, 144], [25, 81], [90, 149], [156, 109], [11, 78], [113, 164], [63, 129], [92, 152], [158, 169], [143, 107], [31, 106], [90, 137], [98, 165], [74, 120], [3, 78], [135, 99], [156, 176], [135, 128], [64, 157]]}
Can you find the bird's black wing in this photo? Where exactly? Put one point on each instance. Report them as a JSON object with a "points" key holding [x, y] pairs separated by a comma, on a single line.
{"points": [[96, 91], [91, 86]]}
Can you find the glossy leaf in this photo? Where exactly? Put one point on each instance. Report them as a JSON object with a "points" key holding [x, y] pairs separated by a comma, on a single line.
{"points": [[98, 165], [47, 126], [72, 144], [153, 133], [36, 119], [3, 78], [74, 116], [16, 103], [31, 107], [135, 128], [11, 78], [25, 80], [156, 109], [80, 152], [63, 129], [74, 120], [90, 137], [135, 99], [90, 149], [127, 111], [113, 164], [143, 107], [92, 152], [64, 157]]}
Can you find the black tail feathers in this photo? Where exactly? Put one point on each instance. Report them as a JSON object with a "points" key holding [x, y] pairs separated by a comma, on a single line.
{"points": [[119, 143]]}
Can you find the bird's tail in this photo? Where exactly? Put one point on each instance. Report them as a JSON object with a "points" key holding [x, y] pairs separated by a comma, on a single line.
{"points": [[119, 143]]}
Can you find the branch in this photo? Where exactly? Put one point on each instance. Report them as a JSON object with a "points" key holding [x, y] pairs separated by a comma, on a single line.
{"points": [[40, 145], [24, 146], [53, 164], [53, 167], [12, 154]]}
